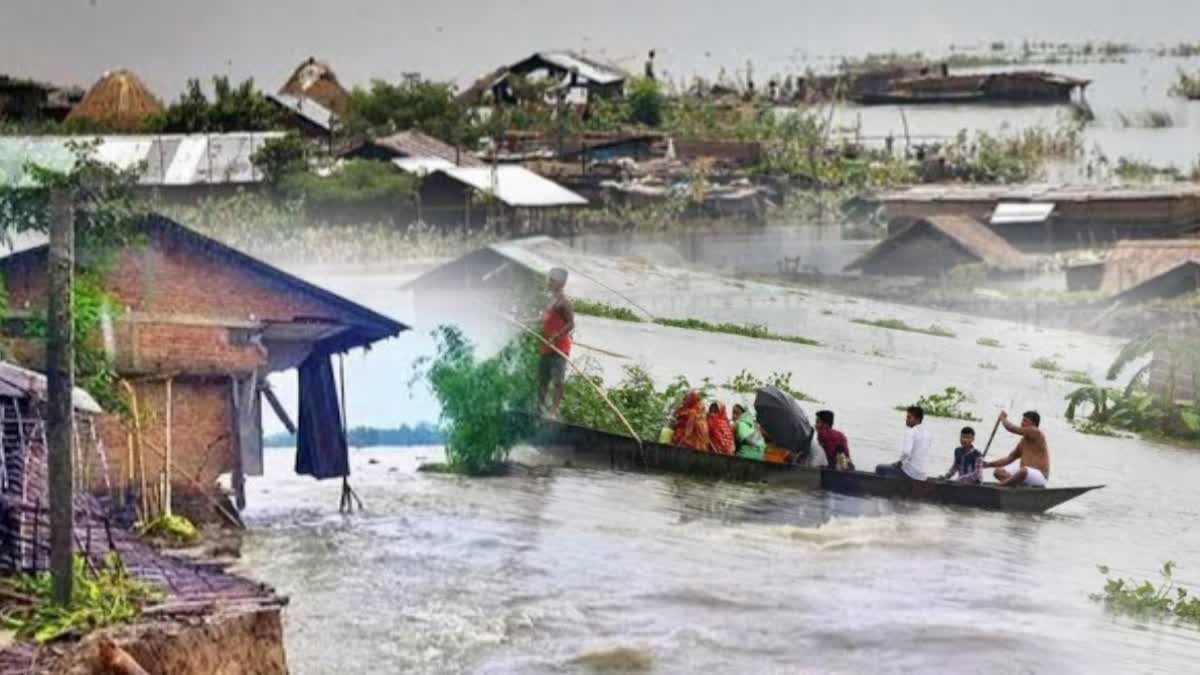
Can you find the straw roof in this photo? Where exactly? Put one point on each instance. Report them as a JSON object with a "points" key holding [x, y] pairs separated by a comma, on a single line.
{"points": [[119, 96], [971, 235], [1133, 262], [316, 80]]}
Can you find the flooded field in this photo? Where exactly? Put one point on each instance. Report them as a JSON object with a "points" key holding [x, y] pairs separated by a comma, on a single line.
{"points": [[558, 570]]}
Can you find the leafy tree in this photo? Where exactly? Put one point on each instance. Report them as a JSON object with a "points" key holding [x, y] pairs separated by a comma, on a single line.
{"points": [[279, 157], [646, 102], [240, 108], [422, 105]]}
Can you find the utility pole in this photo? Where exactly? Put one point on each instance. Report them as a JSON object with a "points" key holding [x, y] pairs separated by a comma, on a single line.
{"points": [[60, 383]]}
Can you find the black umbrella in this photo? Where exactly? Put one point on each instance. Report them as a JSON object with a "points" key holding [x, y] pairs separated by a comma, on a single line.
{"points": [[783, 420]]}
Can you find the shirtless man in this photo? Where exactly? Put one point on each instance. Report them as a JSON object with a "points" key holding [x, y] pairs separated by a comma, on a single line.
{"points": [[1031, 450]]}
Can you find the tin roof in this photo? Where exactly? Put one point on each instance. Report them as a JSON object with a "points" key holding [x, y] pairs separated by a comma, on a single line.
{"points": [[169, 159], [972, 235], [306, 108], [515, 186], [419, 145], [1134, 262], [17, 382], [1012, 213], [422, 166], [588, 68]]}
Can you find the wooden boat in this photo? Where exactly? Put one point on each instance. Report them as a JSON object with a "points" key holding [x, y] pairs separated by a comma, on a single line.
{"points": [[584, 447]]}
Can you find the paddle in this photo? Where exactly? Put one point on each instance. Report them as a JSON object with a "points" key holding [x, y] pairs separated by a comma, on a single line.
{"points": [[991, 438]]}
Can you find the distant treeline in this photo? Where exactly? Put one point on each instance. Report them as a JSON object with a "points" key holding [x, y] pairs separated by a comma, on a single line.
{"points": [[366, 437]]}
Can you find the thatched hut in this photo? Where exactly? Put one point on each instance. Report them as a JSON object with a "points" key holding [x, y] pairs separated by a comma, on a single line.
{"points": [[316, 81], [119, 98]]}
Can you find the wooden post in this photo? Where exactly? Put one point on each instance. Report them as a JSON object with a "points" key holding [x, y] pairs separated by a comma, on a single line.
{"points": [[167, 461], [60, 381]]}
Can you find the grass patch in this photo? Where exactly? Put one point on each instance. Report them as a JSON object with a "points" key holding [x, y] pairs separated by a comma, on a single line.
{"points": [[746, 383], [1046, 364], [988, 365], [1095, 428], [1186, 86], [1147, 600], [105, 596], [173, 528], [898, 324], [1146, 119], [605, 310], [750, 330], [948, 403], [988, 342]]}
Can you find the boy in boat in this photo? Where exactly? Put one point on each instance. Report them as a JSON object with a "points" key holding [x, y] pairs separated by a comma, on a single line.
{"points": [[833, 442], [558, 322], [968, 461], [913, 450], [749, 440], [1031, 450]]}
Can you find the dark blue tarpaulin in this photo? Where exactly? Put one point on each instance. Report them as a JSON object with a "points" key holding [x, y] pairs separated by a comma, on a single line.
{"points": [[320, 440]]}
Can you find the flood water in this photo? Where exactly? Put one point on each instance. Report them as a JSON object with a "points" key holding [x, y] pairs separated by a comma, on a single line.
{"points": [[573, 571]]}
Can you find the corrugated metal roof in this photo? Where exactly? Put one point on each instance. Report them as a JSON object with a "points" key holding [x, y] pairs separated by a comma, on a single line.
{"points": [[307, 108], [417, 144], [1010, 213], [17, 382], [515, 186], [1039, 193], [423, 165], [169, 159], [587, 68]]}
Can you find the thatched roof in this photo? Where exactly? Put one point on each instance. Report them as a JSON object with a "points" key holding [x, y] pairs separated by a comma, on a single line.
{"points": [[971, 235], [1134, 262], [316, 80], [120, 97]]}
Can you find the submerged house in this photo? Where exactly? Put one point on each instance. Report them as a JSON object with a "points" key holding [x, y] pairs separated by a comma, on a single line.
{"points": [[23, 100], [930, 247], [568, 72], [1054, 217], [315, 81], [412, 145], [1156, 269], [1028, 86], [196, 328], [466, 196]]}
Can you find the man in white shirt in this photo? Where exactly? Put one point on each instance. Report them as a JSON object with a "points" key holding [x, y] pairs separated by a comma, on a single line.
{"points": [[914, 451]]}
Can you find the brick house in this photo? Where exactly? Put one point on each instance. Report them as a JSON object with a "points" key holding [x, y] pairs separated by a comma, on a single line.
{"points": [[208, 323]]}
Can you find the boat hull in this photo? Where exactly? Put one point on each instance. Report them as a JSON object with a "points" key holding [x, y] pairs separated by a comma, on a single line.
{"points": [[579, 446]]}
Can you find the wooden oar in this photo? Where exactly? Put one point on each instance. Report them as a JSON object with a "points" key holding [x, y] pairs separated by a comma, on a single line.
{"points": [[991, 438], [580, 373]]}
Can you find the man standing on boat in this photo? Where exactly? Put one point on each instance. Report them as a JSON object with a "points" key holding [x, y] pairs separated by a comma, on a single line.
{"points": [[914, 450], [1031, 450], [558, 322]]}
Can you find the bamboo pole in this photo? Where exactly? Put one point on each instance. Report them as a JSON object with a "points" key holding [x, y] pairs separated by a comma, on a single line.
{"points": [[167, 461], [139, 449]]}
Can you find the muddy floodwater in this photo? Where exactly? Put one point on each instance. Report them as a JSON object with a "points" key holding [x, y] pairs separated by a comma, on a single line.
{"points": [[556, 570]]}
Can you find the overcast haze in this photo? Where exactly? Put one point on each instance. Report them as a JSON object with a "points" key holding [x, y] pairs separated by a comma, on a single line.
{"points": [[166, 41]]}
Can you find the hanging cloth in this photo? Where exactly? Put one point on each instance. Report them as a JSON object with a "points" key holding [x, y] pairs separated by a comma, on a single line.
{"points": [[320, 440]]}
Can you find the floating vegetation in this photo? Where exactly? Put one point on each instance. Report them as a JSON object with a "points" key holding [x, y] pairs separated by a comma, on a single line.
{"points": [[107, 597], [642, 403], [1046, 364], [482, 400], [605, 310], [746, 383], [897, 324], [1186, 85], [1146, 119], [949, 403], [988, 365], [750, 330], [989, 342], [1147, 600]]}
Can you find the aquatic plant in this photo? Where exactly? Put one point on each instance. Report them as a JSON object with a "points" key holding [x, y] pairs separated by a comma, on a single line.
{"points": [[103, 596], [486, 403], [1186, 86], [988, 365], [750, 330], [746, 383], [1146, 119], [948, 403], [1147, 600], [988, 342], [605, 310], [1046, 364], [1134, 170], [899, 324]]}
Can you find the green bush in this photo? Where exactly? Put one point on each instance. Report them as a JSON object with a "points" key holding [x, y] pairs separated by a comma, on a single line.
{"points": [[415, 103], [280, 157], [240, 108], [643, 404], [1149, 600], [646, 101], [355, 182]]}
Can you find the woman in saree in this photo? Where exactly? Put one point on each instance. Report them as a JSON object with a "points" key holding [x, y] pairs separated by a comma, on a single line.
{"points": [[691, 427], [720, 431]]}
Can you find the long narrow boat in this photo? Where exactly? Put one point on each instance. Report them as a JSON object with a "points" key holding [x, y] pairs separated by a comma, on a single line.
{"points": [[581, 446]]}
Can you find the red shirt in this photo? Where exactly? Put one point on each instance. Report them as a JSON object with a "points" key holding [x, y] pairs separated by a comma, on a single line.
{"points": [[833, 441], [553, 322]]}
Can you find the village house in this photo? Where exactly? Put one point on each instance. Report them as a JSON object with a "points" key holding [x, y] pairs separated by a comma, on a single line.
{"points": [[1154, 269], [313, 100], [118, 99], [931, 246], [196, 328], [1039, 218], [566, 72], [23, 100]]}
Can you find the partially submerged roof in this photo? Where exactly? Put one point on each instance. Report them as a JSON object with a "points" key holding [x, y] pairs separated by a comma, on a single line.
{"points": [[422, 166], [308, 109], [1135, 262], [1040, 193], [515, 186], [1179, 280], [120, 96], [18, 382], [316, 81], [972, 236], [364, 326], [167, 159], [1015, 213]]}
